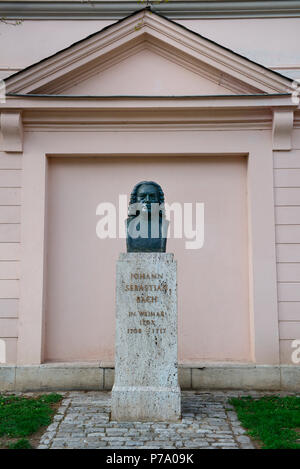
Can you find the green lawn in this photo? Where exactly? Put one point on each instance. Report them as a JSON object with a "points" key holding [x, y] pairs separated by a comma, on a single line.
{"points": [[272, 420], [22, 417]]}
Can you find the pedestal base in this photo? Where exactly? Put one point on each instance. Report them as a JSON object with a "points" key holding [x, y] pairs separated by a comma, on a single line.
{"points": [[145, 403], [146, 376]]}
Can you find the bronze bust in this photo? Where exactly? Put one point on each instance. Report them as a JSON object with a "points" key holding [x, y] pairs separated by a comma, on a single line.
{"points": [[146, 223]]}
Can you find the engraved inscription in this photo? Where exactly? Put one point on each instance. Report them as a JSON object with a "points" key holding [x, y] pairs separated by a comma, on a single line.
{"points": [[134, 331], [143, 276], [146, 299], [149, 322]]}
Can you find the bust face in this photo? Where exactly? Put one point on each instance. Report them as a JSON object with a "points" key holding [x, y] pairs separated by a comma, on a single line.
{"points": [[147, 194], [146, 224]]}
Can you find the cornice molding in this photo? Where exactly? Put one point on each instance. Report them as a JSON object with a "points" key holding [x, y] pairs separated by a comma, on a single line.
{"points": [[127, 114], [156, 103], [141, 120], [93, 10]]}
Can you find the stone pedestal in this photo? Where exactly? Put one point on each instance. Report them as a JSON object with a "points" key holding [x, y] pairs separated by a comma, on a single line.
{"points": [[146, 380]]}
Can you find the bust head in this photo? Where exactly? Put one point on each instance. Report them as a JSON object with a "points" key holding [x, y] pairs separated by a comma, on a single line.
{"points": [[146, 223], [147, 193]]}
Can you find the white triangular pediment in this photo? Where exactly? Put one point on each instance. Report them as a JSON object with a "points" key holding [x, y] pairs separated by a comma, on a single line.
{"points": [[146, 54]]}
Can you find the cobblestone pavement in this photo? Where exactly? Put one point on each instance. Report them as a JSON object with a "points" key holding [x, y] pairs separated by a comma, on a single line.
{"points": [[208, 422]]}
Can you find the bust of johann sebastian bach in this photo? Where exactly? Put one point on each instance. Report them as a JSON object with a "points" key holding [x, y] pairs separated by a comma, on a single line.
{"points": [[146, 225]]}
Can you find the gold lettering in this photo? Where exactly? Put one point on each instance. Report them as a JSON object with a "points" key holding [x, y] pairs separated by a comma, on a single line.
{"points": [[152, 313], [131, 313], [141, 287], [134, 331], [147, 299], [147, 322], [142, 275]]}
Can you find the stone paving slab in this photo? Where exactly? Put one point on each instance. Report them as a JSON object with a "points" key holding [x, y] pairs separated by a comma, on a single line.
{"points": [[208, 422]]}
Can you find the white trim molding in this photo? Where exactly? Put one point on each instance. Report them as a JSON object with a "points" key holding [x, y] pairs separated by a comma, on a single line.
{"points": [[95, 10]]}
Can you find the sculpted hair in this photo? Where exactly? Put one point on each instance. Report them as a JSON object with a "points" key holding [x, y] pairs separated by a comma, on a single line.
{"points": [[133, 197]]}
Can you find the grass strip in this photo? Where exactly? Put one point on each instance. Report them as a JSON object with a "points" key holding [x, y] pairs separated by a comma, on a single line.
{"points": [[273, 420], [23, 416]]}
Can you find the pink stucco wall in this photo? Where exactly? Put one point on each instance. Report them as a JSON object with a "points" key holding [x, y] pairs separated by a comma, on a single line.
{"points": [[10, 217], [212, 281], [287, 212], [215, 318]]}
